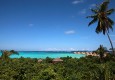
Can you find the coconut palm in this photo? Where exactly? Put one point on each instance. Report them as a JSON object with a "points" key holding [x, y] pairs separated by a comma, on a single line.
{"points": [[101, 14], [101, 51], [5, 54]]}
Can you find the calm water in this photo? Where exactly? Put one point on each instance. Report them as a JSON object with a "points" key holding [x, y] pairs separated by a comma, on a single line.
{"points": [[37, 54]]}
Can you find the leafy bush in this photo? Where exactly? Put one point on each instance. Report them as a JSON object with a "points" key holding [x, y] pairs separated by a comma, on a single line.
{"points": [[87, 68]]}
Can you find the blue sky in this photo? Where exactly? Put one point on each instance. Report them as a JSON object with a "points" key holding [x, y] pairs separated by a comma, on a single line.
{"points": [[50, 25]]}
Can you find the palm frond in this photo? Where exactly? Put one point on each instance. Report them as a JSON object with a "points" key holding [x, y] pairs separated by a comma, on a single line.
{"points": [[12, 52], [104, 6], [92, 16], [110, 26], [93, 21], [110, 20], [110, 11], [104, 26], [97, 7], [15, 52], [110, 23], [104, 30], [98, 28], [94, 11], [101, 15], [6, 54]]}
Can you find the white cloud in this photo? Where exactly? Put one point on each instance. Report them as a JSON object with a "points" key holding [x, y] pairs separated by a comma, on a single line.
{"points": [[53, 49], [72, 49], [77, 1], [30, 25], [60, 49], [70, 32], [49, 49], [83, 11]]}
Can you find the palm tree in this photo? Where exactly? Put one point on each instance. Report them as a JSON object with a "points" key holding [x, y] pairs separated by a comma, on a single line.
{"points": [[5, 54], [101, 51], [101, 14]]}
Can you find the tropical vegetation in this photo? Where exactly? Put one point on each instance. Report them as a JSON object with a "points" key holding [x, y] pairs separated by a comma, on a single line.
{"points": [[102, 52], [5, 54], [101, 15], [85, 68]]}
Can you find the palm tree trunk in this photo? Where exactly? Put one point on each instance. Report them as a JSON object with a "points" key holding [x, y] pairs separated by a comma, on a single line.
{"points": [[111, 44]]}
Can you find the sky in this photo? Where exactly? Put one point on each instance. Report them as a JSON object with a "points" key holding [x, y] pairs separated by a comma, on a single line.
{"points": [[37, 25]]}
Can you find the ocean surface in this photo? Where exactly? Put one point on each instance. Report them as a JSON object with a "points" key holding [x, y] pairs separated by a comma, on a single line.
{"points": [[44, 54]]}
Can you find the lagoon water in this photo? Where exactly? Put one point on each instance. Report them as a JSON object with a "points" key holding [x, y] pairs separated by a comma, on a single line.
{"points": [[44, 54]]}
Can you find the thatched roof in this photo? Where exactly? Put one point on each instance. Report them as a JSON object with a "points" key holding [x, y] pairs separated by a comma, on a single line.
{"points": [[57, 60], [40, 60]]}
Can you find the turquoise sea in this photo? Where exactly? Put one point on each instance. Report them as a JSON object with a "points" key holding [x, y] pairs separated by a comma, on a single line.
{"points": [[44, 54]]}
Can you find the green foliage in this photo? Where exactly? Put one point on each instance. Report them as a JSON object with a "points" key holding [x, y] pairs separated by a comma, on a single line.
{"points": [[85, 68], [101, 50], [5, 54], [100, 15]]}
